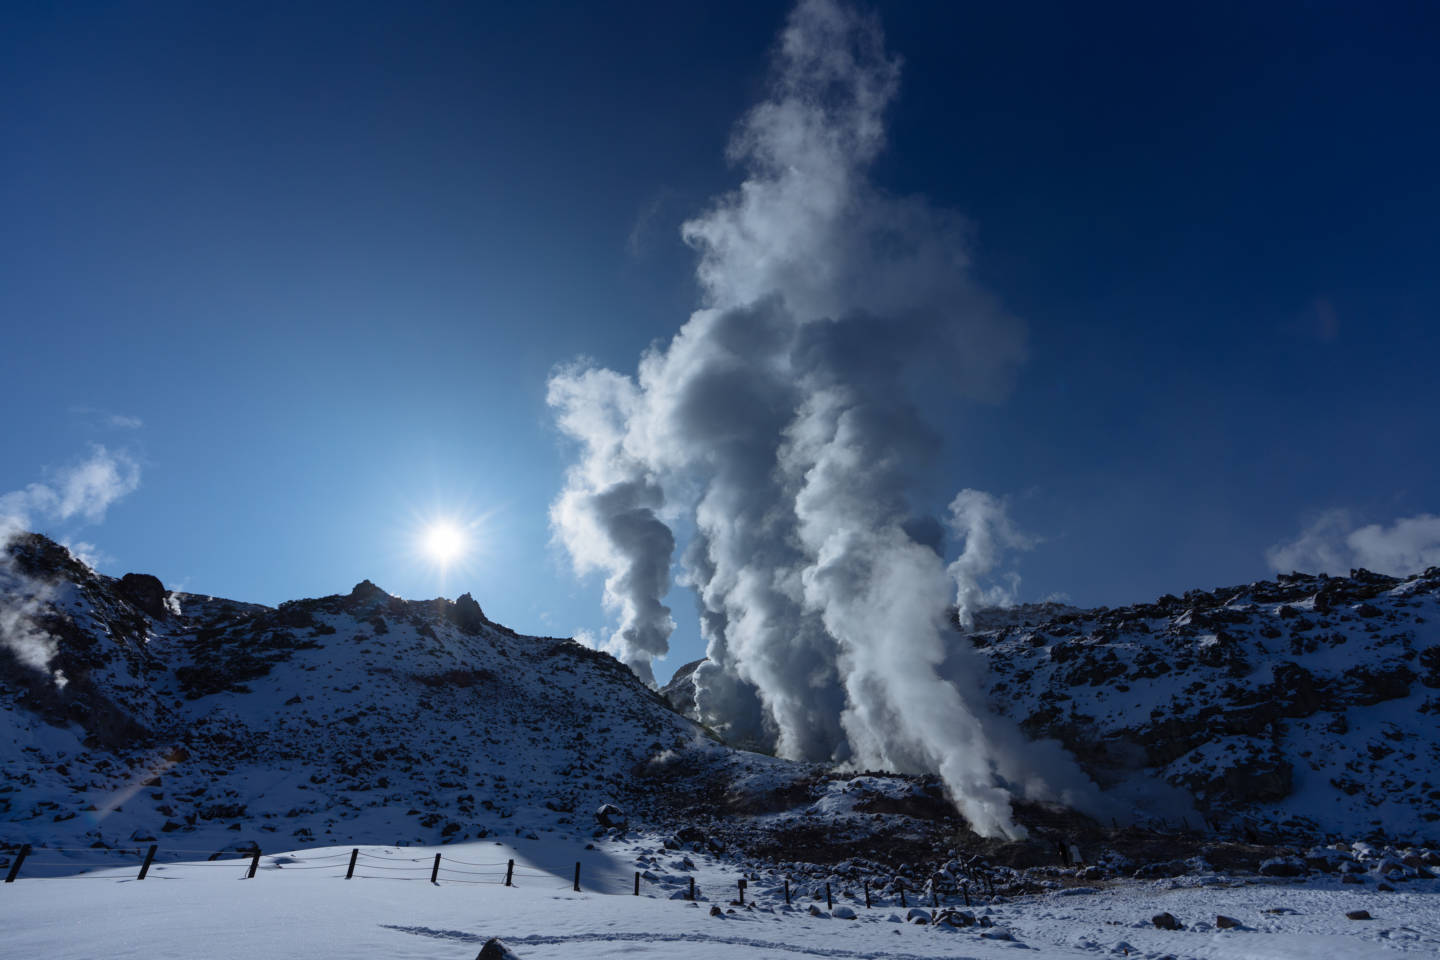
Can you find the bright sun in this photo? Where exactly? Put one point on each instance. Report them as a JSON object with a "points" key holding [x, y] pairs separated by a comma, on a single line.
{"points": [[443, 542]]}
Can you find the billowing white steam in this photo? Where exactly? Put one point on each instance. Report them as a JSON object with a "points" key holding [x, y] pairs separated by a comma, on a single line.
{"points": [[82, 492], [780, 419]]}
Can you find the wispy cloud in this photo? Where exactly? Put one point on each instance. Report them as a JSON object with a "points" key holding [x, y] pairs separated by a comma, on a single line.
{"points": [[647, 226], [77, 494], [1334, 543], [108, 418], [82, 492]]}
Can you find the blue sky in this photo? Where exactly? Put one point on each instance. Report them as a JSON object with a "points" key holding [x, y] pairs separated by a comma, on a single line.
{"points": [[327, 255]]}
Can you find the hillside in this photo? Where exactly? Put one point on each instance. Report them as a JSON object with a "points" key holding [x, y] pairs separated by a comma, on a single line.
{"points": [[1295, 710], [1307, 704], [361, 716], [1304, 706]]}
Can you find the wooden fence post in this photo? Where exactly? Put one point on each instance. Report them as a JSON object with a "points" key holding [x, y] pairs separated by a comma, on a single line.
{"points": [[350, 870], [692, 888], [965, 889], [742, 891], [901, 885], [829, 904], [867, 894], [435, 870], [509, 872], [254, 864], [787, 891], [934, 895], [637, 883], [149, 859], [577, 876], [15, 867]]}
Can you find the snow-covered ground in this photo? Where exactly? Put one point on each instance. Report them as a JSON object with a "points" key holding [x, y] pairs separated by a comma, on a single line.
{"points": [[300, 905]]}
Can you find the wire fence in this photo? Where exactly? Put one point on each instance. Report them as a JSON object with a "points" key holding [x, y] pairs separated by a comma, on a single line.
{"points": [[380, 864], [354, 864]]}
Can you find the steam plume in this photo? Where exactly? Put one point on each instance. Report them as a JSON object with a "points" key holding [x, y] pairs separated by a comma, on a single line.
{"points": [[780, 419]]}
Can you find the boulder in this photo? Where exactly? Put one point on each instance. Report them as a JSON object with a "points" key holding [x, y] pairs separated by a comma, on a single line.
{"points": [[366, 591], [467, 615], [1226, 923], [1166, 921], [1283, 867], [146, 592], [610, 816], [1359, 915], [495, 949]]}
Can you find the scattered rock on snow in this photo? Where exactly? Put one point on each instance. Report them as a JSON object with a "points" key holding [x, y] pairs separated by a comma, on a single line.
{"points": [[1359, 915], [1226, 923], [1166, 921]]}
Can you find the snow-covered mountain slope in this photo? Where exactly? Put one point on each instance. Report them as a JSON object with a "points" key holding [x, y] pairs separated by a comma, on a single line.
{"points": [[356, 717], [1306, 705], [1310, 704], [206, 724]]}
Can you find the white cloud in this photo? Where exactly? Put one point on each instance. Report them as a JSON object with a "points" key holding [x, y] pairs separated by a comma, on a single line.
{"points": [[108, 418], [1334, 544], [83, 491], [79, 493]]}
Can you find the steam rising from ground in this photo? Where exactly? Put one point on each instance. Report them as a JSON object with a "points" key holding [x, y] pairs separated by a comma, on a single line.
{"points": [[82, 492], [780, 421]]}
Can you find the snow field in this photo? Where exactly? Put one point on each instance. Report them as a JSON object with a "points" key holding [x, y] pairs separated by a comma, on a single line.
{"points": [[299, 905]]}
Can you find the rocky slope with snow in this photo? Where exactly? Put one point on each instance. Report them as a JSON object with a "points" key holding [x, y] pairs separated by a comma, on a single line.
{"points": [[1305, 705], [353, 717], [1293, 709]]}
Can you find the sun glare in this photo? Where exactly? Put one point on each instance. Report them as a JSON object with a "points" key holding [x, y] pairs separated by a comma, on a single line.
{"points": [[443, 542]]}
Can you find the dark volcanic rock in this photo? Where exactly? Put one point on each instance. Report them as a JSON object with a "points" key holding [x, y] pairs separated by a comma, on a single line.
{"points": [[495, 949], [467, 615], [146, 592]]}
